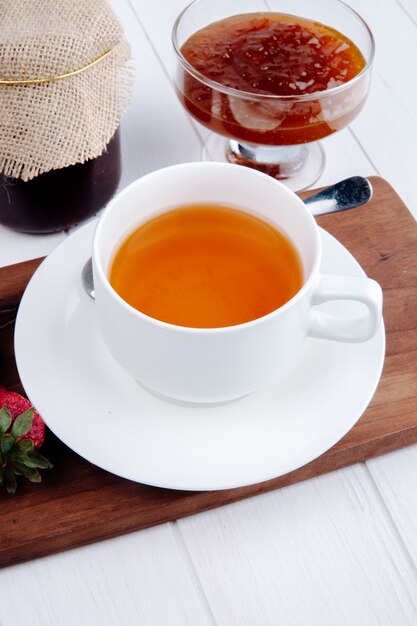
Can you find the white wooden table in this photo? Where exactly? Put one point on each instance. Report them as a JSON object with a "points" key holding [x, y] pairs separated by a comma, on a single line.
{"points": [[339, 549]]}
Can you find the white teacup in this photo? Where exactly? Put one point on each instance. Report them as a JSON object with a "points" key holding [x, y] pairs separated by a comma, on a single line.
{"points": [[220, 364]]}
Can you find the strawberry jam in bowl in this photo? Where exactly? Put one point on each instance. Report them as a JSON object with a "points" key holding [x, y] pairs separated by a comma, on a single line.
{"points": [[273, 82]]}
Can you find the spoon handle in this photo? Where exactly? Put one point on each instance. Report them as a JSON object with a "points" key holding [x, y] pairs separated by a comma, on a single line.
{"points": [[346, 194], [87, 278]]}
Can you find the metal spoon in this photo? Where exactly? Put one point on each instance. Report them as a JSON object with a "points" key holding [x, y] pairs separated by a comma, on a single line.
{"points": [[87, 278], [346, 194]]}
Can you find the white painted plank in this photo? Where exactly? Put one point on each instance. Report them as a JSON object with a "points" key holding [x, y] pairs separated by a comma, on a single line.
{"points": [[344, 158], [317, 553], [156, 131], [389, 138], [387, 127], [157, 18], [410, 8], [16, 247], [396, 47], [140, 578], [395, 474]]}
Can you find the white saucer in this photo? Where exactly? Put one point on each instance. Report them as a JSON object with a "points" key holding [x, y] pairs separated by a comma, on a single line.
{"points": [[100, 412]]}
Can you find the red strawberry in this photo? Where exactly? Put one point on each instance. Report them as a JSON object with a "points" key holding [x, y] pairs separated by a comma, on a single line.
{"points": [[22, 432], [17, 404]]}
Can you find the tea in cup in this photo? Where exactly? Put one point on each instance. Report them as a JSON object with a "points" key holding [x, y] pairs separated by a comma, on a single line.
{"points": [[207, 280], [206, 266]]}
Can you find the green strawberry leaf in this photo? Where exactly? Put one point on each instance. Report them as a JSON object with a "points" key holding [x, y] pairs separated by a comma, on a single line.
{"points": [[22, 424], [38, 460], [31, 459], [31, 473], [20, 469], [21, 458], [17, 457], [7, 445], [25, 446], [5, 420], [34, 477], [9, 480]]}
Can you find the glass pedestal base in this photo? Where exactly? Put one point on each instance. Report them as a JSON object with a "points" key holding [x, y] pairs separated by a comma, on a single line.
{"points": [[298, 167]]}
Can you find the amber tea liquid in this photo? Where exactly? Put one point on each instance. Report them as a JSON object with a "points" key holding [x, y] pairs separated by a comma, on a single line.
{"points": [[206, 266]]}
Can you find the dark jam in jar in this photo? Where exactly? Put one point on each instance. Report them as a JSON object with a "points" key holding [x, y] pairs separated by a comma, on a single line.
{"points": [[270, 54], [61, 198]]}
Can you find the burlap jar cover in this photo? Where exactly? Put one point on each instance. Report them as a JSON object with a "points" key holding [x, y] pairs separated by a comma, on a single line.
{"points": [[64, 83]]}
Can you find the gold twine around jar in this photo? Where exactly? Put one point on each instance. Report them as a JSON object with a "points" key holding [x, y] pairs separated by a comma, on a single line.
{"points": [[52, 79]]}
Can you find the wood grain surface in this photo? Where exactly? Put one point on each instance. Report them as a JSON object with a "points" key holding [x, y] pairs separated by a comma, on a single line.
{"points": [[78, 503]]}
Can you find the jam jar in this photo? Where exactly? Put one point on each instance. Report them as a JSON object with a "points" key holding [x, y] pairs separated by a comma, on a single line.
{"points": [[61, 198]]}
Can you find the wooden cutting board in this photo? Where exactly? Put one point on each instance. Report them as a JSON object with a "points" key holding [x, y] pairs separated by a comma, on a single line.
{"points": [[78, 503]]}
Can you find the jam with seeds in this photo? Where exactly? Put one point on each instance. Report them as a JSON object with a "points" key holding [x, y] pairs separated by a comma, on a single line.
{"points": [[272, 54]]}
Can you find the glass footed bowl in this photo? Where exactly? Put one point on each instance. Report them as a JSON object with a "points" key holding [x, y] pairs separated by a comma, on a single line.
{"points": [[274, 134]]}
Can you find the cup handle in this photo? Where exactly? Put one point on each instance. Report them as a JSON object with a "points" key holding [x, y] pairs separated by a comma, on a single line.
{"points": [[337, 328]]}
